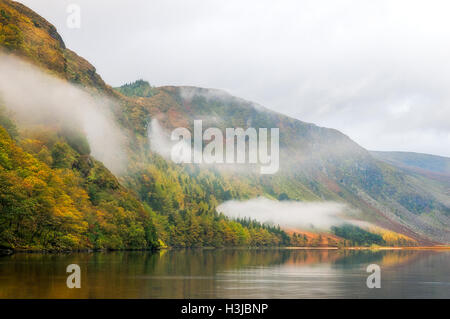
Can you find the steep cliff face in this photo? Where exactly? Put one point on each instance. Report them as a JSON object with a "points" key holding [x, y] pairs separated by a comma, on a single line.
{"points": [[316, 163], [27, 34]]}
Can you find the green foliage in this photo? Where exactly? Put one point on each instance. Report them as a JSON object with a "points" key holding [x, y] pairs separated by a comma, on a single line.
{"points": [[185, 199], [10, 36], [283, 196], [6, 122], [416, 203], [357, 235], [63, 155], [139, 88], [66, 206], [4, 15], [77, 140]]}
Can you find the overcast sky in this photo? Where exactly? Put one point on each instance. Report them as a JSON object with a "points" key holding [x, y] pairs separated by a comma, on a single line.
{"points": [[379, 71]]}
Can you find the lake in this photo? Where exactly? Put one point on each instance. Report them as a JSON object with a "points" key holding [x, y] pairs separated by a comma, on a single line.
{"points": [[229, 273]]}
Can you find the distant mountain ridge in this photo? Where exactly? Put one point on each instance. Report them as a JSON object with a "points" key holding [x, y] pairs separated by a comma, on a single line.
{"points": [[412, 160]]}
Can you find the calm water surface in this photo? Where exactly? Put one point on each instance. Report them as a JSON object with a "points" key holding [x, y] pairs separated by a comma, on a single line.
{"points": [[228, 273]]}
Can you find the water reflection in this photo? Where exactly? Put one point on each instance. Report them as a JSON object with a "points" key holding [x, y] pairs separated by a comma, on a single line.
{"points": [[228, 273]]}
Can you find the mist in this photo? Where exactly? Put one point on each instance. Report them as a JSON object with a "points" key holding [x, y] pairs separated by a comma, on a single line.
{"points": [[181, 147], [38, 98], [287, 214], [160, 142], [158, 139], [188, 93]]}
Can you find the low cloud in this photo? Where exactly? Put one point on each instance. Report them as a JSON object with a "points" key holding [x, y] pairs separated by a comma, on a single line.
{"points": [[180, 147], [161, 143], [159, 140], [37, 98], [287, 214]]}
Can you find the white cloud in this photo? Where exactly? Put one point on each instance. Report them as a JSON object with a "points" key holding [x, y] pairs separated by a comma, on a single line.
{"points": [[36, 98], [289, 214]]}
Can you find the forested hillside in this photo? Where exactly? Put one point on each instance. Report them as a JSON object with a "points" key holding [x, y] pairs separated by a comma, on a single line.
{"points": [[54, 194]]}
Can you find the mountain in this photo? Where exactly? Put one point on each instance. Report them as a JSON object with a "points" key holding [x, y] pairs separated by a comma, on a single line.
{"points": [[319, 163], [419, 162], [154, 201]]}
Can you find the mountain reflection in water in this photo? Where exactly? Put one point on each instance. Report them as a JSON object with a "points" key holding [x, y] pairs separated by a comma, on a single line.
{"points": [[229, 273]]}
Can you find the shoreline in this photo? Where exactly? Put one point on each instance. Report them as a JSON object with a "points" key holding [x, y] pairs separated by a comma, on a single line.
{"points": [[373, 248], [9, 252]]}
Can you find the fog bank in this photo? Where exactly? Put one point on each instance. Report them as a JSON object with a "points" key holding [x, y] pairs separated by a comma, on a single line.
{"points": [[36, 97], [288, 214]]}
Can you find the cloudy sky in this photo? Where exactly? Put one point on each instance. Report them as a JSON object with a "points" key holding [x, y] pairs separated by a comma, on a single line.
{"points": [[377, 70]]}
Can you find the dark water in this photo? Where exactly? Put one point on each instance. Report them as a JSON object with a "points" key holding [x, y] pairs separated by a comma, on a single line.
{"points": [[233, 273]]}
